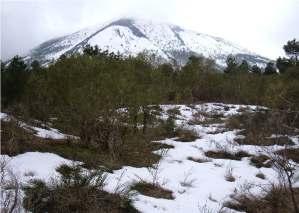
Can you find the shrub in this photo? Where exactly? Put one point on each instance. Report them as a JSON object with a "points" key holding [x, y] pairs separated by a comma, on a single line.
{"points": [[152, 190], [229, 175], [186, 135], [276, 199], [227, 155], [74, 191], [261, 161]]}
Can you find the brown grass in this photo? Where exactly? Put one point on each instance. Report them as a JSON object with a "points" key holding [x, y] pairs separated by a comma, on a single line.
{"points": [[198, 160], [186, 135], [261, 161], [74, 191], [152, 190], [259, 126], [260, 175], [226, 155], [205, 119], [137, 150], [292, 154], [229, 175], [277, 200]]}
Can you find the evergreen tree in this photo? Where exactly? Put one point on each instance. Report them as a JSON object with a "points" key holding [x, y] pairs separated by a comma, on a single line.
{"points": [[283, 64], [2, 66], [62, 57], [91, 51], [292, 49], [270, 69], [231, 64], [13, 80], [244, 66], [35, 65], [256, 69]]}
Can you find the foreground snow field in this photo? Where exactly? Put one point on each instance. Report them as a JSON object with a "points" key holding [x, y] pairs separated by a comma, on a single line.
{"points": [[196, 186]]}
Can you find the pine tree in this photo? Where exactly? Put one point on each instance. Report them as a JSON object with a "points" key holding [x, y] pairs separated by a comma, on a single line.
{"points": [[244, 66], [292, 49], [13, 80], [231, 64], [270, 69], [35, 65], [283, 64], [256, 69]]}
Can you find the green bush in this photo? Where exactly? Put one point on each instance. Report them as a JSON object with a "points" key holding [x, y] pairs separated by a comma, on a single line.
{"points": [[74, 191]]}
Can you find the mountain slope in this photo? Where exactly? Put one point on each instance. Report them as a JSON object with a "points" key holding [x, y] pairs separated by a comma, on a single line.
{"points": [[133, 36]]}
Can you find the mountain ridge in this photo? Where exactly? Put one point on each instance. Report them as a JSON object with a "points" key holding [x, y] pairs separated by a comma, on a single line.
{"points": [[129, 36]]}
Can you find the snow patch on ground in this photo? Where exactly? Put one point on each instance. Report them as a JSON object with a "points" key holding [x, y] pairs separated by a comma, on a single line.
{"points": [[47, 132], [38, 165], [195, 186]]}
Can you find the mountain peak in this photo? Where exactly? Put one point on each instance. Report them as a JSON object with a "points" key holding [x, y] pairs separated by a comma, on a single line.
{"points": [[131, 36]]}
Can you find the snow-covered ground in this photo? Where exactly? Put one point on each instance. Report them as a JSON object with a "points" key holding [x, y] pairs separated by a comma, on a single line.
{"points": [[46, 132], [195, 186]]}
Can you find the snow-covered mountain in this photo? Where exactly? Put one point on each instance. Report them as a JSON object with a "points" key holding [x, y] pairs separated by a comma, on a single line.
{"points": [[129, 36]]}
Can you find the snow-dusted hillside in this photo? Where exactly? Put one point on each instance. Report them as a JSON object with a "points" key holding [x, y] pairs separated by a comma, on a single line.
{"points": [[133, 36]]}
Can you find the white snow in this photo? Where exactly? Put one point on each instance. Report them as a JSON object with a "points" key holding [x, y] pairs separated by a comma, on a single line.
{"points": [[47, 132], [195, 186], [41, 165], [207, 179], [161, 39]]}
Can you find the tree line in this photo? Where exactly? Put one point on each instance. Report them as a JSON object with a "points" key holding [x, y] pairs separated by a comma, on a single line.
{"points": [[79, 89]]}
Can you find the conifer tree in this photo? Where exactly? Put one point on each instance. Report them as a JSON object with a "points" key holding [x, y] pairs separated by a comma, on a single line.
{"points": [[13, 80], [231, 64], [255, 69], [270, 69], [292, 49]]}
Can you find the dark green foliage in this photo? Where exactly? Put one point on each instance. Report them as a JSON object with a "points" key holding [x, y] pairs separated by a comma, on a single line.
{"points": [[74, 191], [35, 65], [169, 127], [2, 66], [82, 90], [244, 66], [292, 49], [256, 69], [231, 64], [13, 81], [283, 64], [62, 57], [91, 51], [87, 93], [270, 69]]}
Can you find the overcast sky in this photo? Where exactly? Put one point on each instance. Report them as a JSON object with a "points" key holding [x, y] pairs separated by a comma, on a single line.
{"points": [[262, 26]]}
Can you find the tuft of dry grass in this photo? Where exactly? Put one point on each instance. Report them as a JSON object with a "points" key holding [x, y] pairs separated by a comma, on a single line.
{"points": [[152, 190], [261, 161], [292, 154], [277, 200], [260, 175], [174, 112], [205, 119], [259, 128], [199, 160], [74, 191], [185, 135], [227, 155], [229, 175]]}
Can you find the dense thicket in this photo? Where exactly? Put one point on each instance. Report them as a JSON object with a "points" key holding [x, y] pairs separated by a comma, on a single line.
{"points": [[88, 89]]}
